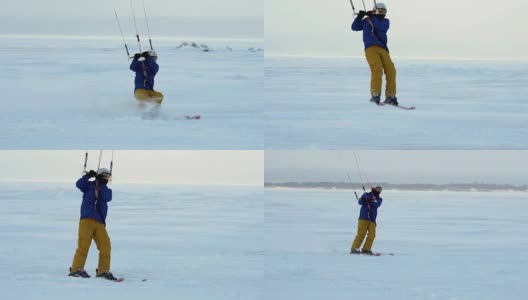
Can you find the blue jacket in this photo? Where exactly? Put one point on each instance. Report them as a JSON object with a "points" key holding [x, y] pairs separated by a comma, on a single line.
{"points": [[88, 206], [147, 67], [369, 206], [372, 38]]}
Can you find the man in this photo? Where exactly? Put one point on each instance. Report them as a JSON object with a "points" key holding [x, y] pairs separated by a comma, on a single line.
{"points": [[375, 28], [370, 202], [146, 68], [94, 209]]}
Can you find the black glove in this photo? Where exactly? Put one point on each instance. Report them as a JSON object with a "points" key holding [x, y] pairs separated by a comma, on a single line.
{"points": [[102, 181], [137, 55], [91, 174], [362, 14], [369, 13], [145, 54]]}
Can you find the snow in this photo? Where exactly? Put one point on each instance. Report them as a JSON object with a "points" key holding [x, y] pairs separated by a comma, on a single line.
{"points": [[63, 92], [233, 242], [189, 242], [447, 245], [322, 103]]}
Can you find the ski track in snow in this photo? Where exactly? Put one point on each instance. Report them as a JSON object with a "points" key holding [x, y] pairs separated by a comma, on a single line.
{"points": [[188, 242], [447, 245], [316, 103], [78, 93]]}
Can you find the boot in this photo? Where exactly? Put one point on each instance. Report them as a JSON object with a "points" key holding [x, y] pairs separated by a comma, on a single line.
{"points": [[79, 273], [355, 251], [106, 275], [375, 99], [368, 252], [391, 100]]}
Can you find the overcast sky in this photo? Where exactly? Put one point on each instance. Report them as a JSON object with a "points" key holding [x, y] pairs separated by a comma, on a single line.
{"points": [[204, 18], [392, 166], [168, 167], [166, 8], [448, 28]]}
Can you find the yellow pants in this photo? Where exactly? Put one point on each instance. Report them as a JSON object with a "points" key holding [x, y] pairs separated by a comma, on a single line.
{"points": [[365, 227], [91, 229], [148, 95], [379, 61]]}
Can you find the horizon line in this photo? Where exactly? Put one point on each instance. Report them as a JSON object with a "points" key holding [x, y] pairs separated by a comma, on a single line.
{"points": [[116, 37], [130, 182], [395, 184], [435, 58], [334, 189]]}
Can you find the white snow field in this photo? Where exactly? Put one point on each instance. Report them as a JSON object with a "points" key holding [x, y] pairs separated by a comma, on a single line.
{"points": [[189, 242], [446, 245], [77, 92], [323, 103]]}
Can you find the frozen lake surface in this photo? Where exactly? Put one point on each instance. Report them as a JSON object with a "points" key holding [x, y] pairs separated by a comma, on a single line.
{"points": [[447, 245], [77, 93], [322, 103], [189, 242]]}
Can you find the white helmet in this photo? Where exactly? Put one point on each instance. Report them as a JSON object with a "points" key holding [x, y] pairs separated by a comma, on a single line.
{"points": [[377, 189], [381, 8], [104, 172], [153, 54]]}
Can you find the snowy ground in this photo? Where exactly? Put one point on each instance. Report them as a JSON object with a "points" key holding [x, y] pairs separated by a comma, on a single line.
{"points": [[74, 93], [447, 245], [322, 103], [188, 242]]}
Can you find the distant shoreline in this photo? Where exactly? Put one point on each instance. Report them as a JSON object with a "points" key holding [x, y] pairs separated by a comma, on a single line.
{"points": [[293, 56], [118, 38], [63, 182], [452, 187]]}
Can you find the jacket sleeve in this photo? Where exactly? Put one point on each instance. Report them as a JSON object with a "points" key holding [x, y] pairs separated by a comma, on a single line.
{"points": [[362, 199], [82, 183], [153, 65], [380, 200], [134, 66], [105, 194], [357, 25]]}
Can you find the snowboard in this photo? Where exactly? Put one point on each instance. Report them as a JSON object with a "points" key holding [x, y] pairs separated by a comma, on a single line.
{"points": [[159, 116], [120, 279], [378, 254], [398, 106], [373, 254]]}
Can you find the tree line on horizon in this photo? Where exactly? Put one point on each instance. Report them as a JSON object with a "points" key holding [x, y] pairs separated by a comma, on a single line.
{"points": [[475, 186]]}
